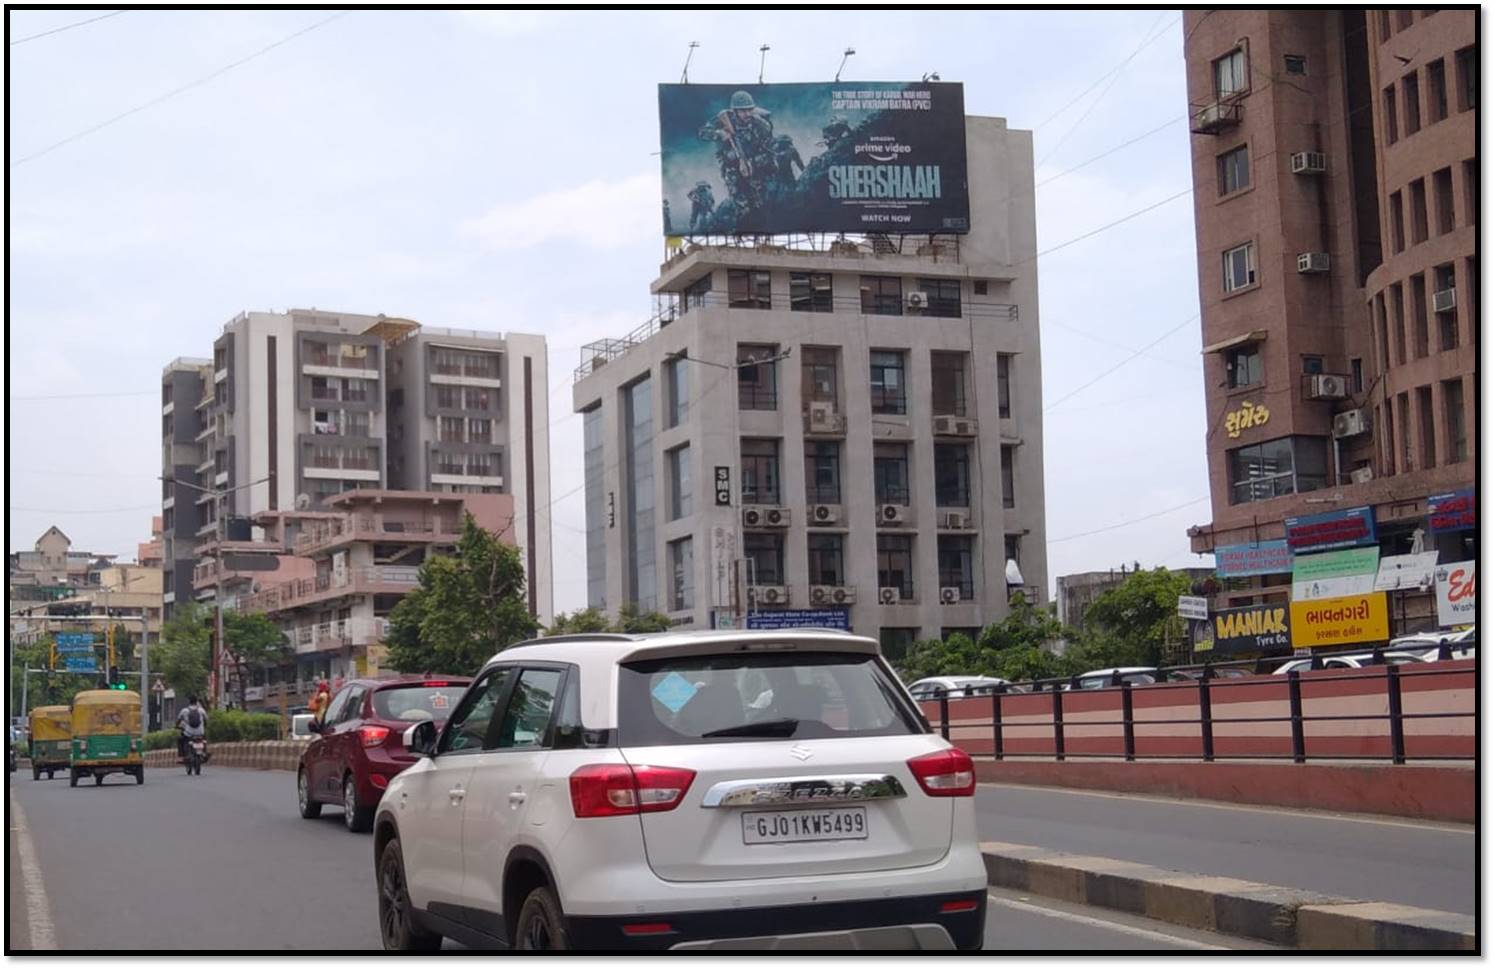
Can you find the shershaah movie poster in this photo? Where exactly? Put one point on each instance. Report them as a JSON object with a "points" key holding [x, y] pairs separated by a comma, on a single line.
{"points": [[863, 156]]}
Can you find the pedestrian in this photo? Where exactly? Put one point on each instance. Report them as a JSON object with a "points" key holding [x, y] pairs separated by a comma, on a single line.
{"points": [[320, 699]]}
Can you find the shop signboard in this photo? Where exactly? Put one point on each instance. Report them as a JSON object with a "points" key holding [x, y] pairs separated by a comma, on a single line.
{"points": [[1453, 512], [1340, 622], [1254, 558], [1263, 628], [1328, 575], [1348, 528], [1457, 593]]}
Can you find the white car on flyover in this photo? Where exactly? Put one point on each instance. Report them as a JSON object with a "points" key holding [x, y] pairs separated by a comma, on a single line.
{"points": [[612, 791]]}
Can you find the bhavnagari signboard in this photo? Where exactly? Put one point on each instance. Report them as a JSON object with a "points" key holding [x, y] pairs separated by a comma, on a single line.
{"points": [[1345, 621]]}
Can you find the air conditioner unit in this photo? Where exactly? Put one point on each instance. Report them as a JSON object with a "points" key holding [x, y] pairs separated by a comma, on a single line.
{"points": [[1312, 262], [917, 300], [752, 517], [944, 425], [769, 595], [1362, 475], [844, 595], [1351, 423], [1445, 300], [1215, 117], [821, 595], [776, 517], [889, 595], [949, 425], [965, 427], [1309, 163], [824, 514], [1328, 386], [949, 594], [954, 519], [891, 514], [823, 419]]}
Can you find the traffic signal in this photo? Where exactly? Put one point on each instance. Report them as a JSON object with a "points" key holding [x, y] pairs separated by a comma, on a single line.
{"points": [[116, 682]]}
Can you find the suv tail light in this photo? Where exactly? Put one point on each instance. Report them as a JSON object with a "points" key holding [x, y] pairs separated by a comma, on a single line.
{"points": [[373, 735], [607, 790], [945, 773]]}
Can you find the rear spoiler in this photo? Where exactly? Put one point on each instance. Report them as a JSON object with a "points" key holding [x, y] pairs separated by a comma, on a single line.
{"points": [[790, 641]]}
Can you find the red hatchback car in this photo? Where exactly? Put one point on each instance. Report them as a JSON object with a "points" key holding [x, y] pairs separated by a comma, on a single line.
{"points": [[361, 742]]}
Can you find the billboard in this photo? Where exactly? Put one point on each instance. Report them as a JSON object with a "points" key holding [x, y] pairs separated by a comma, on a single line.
{"points": [[1328, 575], [1457, 593], [1334, 529], [1345, 621], [1251, 629], [862, 156], [1258, 558]]}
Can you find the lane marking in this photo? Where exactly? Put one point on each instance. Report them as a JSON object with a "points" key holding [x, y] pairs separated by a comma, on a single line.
{"points": [[1103, 924], [1259, 809], [38, 915]]}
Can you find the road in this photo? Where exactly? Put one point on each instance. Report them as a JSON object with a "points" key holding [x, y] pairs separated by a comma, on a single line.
{"points": [[224, 862], [1426, 864]]}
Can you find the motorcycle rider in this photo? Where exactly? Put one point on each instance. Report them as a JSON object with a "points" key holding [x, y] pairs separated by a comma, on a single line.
{"points": [[191, 723]]}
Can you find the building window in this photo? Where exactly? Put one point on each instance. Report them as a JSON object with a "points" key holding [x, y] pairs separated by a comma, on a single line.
{"points": [[1447, 320], [1418, 211], [890, 473], [1442, 188], [479, 430], [820, 375], [982, 286], [764, 554], [1244, 366], [757, 376], [1397, 225], [1402, 19], [1384, 332], [1470, 191], [1383, 16], [1356, 375], [948, 372], [882, 295], [1008, 476], [1295, 63], [677, 388], [1427, 431], [1419, 314], [678, 463], [760, 471], [642, 587], [811, 293], [1285, 466], [1457, 435], [1312, 364], [448, 397], [1239, 267], [1004, 384], [888, 383], [1014, 548], [1229, 74], [1467, 67], [827, 559], [1234, 170], [748, 289], [1403, 423], [682, 575], [956, 564], [895, 563], [1392, 133], [952, 475], [696, 293], [596, 500], [822, 472], [451, 429], [1398, 311], [1411, 93], [943, 297], [1436, 91]]}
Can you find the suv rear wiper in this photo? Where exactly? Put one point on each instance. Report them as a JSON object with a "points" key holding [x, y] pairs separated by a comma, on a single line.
{"points": [[763, 728]]}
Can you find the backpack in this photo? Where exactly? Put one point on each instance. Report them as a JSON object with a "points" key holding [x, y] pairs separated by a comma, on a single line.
{"points": [[194, 719]]}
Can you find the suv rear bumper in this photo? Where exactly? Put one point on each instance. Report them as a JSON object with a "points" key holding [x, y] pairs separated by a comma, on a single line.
{"points": [[910, 922]]}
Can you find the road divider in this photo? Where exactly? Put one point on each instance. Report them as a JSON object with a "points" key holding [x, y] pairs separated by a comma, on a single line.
{"points": [[1285, 916], [249, 754]]}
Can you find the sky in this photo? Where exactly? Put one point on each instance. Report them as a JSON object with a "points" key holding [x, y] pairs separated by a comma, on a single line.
{"points": [[497, 170]]}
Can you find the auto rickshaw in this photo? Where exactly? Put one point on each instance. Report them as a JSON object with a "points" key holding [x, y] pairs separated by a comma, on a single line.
{"points": [[51, 740], [106, 735]]}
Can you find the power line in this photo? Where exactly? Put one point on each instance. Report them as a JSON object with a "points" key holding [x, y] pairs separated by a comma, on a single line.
{"points": [[1133, 521], [1101, 376], [1108, 225], [174, 92], [58, 30]]}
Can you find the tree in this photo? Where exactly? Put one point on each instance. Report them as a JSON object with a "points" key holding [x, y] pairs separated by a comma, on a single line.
{"points": [[1131, 621], [184, 654], [1013, 649], [254, 643], [465, 609], [581, 621], [630, 620]]}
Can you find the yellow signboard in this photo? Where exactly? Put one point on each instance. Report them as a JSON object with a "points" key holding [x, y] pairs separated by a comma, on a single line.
{"points": [[1343, 621], [1249, 415]]}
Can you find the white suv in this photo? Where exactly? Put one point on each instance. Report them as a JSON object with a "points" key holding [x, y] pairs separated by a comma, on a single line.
{"points": [[682, 791]]}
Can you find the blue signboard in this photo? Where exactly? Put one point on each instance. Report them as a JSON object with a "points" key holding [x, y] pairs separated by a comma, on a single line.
{"points": [[81, 664], [1258, 558], [800, 618], [74, 642], [1454, 512], [1335, 529]]}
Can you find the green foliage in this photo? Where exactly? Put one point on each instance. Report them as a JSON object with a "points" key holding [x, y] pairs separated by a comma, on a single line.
{"points": [[580, 621], [184, 655], [160, 740], [1130, 622], [629, 620], [225, 726], [465, 609], [1012, 649], [255, 643]]}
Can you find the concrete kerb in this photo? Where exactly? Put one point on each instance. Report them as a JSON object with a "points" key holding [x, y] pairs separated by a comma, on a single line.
{"points": [[1284, 916], [249, 755]]}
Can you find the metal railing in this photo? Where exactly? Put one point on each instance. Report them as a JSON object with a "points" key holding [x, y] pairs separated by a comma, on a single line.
{"points": [[1205, 682]]}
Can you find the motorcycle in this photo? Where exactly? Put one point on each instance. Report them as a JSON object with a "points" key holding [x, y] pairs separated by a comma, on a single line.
{"points": [[195, 754]]}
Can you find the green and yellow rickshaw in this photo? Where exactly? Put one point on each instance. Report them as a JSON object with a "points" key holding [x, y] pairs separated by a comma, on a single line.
{"points": [[51, 731], [106, 735]]}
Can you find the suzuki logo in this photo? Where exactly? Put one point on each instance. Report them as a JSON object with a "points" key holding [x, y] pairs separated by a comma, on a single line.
{"points": [[800, 752]]}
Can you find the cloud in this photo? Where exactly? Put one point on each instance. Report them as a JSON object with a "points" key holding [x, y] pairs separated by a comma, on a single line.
{"points": [[598, 214]]}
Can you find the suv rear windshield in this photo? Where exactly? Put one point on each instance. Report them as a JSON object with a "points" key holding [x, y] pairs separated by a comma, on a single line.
{"points": [[418, 701], [759, 696]]}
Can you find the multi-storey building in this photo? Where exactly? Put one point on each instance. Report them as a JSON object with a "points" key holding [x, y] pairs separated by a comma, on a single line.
{"points": [[52, 569], [1336, 203], [846, 426]]}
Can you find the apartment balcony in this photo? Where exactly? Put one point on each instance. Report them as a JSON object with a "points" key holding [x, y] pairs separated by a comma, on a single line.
{"points": [[323, 636], [349, 469], [373, 580], [339, 365], [376, 528]]}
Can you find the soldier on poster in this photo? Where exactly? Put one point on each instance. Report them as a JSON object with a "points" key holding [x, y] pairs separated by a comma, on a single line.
{"points": [[786, 157], [702, 206], [743, 135]]}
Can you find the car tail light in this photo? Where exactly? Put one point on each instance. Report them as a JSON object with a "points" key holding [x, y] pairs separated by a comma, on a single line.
{"points": [[608, 790], [373, 735], [962, 905], [647, 928], [435, 683], [945, 773], [379, 781]]}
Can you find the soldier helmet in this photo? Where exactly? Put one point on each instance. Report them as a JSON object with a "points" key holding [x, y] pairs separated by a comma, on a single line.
{"points": [[784, 140], [702, 184], [741, 100]]}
